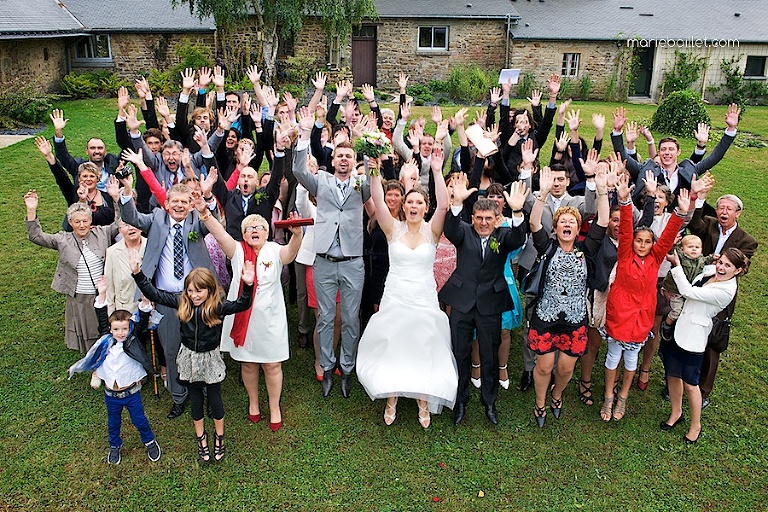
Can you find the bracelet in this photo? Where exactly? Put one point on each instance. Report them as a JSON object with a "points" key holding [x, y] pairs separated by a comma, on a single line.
{"points": [[208, 216], [589, 176], [701, 147], [306, 129], [518, 211], [603, 194], [208, 199], [559, 150], [542, 199]]}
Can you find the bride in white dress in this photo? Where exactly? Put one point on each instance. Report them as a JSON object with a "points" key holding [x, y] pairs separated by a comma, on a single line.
{"points": [[406, 347]]}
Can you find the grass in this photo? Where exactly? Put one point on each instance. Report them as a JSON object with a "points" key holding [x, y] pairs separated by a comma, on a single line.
{"points": [[337, 454]]}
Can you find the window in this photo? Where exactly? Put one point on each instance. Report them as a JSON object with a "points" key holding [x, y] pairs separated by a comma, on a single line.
{"points": [[334, 52], [433, 38], [570, 64], [94, 49], [755, 66]]}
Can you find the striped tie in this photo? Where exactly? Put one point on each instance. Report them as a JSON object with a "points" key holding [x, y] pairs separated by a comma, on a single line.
{"points": [[178, 253]]}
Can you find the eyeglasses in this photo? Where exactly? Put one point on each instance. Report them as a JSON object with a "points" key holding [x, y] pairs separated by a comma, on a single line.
{"points": [[251, 229], [495, 196]]}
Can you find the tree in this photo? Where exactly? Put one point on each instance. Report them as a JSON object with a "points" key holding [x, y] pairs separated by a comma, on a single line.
{"points": [[285, 16]]}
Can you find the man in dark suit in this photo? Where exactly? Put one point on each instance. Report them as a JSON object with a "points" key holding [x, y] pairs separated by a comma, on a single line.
{"points": [[175, 246], [717, 234], [477, 291], [95, 149]]}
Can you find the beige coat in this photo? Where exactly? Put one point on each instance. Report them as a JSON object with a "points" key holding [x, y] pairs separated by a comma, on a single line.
{"points": [[121, 288]]}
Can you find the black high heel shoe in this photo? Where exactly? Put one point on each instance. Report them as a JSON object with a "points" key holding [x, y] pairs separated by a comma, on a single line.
{"points": [[540, 413], [666, 427], [203, 451], [556, 406]]}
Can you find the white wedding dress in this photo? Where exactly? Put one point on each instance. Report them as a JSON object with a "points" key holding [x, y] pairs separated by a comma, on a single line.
{"points": [[406, 347]]}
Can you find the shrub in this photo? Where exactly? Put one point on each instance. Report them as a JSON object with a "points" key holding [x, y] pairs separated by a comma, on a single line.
{"points": [[421, 94], [612, 87], [297, 91], [585, 86], [567, 88], [679, 113], [526, 85], [232, 84], [192, 55], [300, 70], [468, 83], [22, 104], [684, 73], [79, 85], [160, 82], [736, 89], [110, 82], [438, 86]]}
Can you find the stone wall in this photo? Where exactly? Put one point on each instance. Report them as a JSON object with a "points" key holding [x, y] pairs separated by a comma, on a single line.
{"points": [[44, 60], [598, 58]]}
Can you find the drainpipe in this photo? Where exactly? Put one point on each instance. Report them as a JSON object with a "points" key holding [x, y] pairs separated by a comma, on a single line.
{"points": [[506, 48]]}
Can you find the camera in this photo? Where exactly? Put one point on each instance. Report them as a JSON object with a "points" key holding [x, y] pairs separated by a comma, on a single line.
{"points": [[124, 171]]}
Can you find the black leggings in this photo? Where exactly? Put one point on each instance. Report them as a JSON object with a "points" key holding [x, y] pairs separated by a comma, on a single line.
{"points": [[214, 400]]}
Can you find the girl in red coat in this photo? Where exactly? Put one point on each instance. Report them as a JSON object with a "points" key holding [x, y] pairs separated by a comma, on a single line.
{"points": [[632, 299]]}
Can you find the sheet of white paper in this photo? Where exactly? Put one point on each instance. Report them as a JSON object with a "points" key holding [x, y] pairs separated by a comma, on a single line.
{"points": [[506, 74]]}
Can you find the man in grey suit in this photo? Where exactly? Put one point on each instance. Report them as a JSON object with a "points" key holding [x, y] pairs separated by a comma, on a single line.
{"points": [[339, 248], [175, 246]]}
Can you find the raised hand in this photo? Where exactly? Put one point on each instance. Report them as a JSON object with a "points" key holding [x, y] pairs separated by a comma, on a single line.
{"points": [[590, 164], [563, 108], [631, 133], [113, 188], [186, 158], [131, 118], [528, 153], [495, 95], [199, 203], [702, 185], [683, 201], [460, 116], [438, 158], [506, 87], [646, 132], [101, 285], [561, 143], [572, 118], [140, 90], [598, 121], [650, 182], [206, 185], [601, 179], [405, 111], [460, 190], [619, 118], [218, 78], [134, 261], [31, 200], [437, 115], [320, 80], [162, 108], [306, 121], [249, 273], [129, 155], [553, 85], [702, 134], [57, 117], [123, 98], [546, 180], [244, 155], [519, 193], [292, 102], [535, 98], [480, 118], [732, 116], [402, 82], [368, 93], [492, 133], [623, 188], [187, 80], [204, 77], [44, 147], [200, 136], [272, 99], [254, 75]]}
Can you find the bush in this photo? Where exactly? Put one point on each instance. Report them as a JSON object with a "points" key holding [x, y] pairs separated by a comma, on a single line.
{"points": [[526, 85], [679, 114], [585, 86], [192, 55], [684, 73], [22, 104], [160, 82], [438, 86], [567, 89], [232, 84], [110, 82], [421, 94], [79, 85], [736, 89], [297, 91], [469, 83], [300, 70]]}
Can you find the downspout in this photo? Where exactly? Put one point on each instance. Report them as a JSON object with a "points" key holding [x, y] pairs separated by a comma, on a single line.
{"points": [[506, 47]]}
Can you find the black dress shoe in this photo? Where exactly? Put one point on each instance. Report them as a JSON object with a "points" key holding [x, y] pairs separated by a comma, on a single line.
{"points": [[666, 427], [176, 411], [458, 413], [705, 403], [490, 412], [345, 385], [327, 382], [526, 380], [303, 340]]}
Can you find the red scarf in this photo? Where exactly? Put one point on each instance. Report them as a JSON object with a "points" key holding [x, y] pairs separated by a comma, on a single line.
{"points": [[243, 318]]}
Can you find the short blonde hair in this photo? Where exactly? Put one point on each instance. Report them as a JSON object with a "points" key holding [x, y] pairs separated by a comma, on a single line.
{"points": [[563, 210], [254, 219]]}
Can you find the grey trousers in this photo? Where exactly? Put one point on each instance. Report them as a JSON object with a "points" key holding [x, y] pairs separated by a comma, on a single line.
{"points": [[170, 338], [330, 278]]}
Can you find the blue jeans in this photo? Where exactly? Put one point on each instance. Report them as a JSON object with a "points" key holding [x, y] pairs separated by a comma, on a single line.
{"points": [[135, 410]]}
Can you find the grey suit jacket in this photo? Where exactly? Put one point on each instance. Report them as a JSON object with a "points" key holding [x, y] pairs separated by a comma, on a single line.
{"points": [[334, 214], [586, 204], [157, 226]]}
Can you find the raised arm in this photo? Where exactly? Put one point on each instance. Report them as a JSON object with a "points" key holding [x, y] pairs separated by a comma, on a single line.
{"points": [[441, 192], [212, 224]]}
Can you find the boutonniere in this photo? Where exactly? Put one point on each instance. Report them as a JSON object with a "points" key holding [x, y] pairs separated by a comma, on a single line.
{"points": [[579, 254], [258, 197], [359, 179], [193, 236], [493, 244], [266, 264]]}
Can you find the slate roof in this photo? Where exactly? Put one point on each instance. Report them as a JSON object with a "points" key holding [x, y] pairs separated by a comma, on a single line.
{"points": [[648, 19], [49, 18], [489, 9], [30, 18]]}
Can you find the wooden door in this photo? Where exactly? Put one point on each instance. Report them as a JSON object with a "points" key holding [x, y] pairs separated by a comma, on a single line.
{"points": [[364, 55]]}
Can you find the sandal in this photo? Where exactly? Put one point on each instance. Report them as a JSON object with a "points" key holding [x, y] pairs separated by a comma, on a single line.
{"points": [[390, 413], [585, 394], [540, 413], [606, 411], [203, 452], [475, 381], [556, 406], [218, 447], [620, 409], [503, 382], [642, 386], [424, 416]]}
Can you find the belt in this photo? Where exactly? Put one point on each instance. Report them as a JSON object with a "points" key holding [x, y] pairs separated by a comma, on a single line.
{"points": [[125, 392], [334, 259]]}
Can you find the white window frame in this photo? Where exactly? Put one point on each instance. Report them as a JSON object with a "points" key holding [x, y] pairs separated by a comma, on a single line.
{"points": [[570, 66], [91, 42], [432, 47], [334, 52], [756, 77]]}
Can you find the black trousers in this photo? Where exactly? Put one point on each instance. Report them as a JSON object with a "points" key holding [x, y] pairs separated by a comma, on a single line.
{"points": [[487, 328]]}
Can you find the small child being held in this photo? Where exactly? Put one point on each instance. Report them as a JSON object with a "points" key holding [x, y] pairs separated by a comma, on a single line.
{"points": [[119, 359], [692, 263]]}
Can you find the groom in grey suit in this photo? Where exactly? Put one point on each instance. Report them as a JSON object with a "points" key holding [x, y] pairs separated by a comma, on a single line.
{"points": [[339, 248]]}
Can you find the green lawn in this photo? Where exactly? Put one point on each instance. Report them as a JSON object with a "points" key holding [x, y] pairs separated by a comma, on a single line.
{"points": [[336, 454]]}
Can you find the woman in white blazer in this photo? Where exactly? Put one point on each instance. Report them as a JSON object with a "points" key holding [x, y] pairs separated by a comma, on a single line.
{"points": [[711, 292]]}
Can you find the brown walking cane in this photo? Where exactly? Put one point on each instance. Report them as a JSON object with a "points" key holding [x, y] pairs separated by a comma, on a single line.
{"points": [[154, 362]]}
